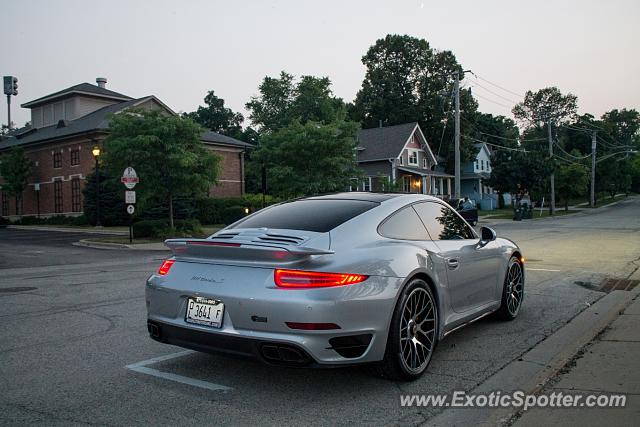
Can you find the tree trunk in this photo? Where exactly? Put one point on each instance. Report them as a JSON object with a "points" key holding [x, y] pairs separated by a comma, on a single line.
{"points": [[171, 210], [566, 205]]}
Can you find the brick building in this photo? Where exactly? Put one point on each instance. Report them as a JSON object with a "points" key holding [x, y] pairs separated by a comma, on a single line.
{"points": [[66, 125]]}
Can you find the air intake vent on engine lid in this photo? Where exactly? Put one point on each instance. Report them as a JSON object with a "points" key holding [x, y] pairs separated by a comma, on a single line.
{"points": [[280, 238], [226, 236]]}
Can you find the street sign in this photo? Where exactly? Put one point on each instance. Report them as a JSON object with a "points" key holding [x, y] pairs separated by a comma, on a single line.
{"points": [[130, 197], [131, 209], [129, 178]]}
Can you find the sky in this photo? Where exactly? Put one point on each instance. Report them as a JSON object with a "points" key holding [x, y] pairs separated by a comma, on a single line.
{"points": [[179, 50]]}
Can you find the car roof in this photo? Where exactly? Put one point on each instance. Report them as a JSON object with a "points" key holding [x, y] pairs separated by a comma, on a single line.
{"points": [[357, 195], [371, 197]]}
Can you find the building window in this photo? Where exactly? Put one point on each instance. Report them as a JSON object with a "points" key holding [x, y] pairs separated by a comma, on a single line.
{"points": [[57, 196], [5, 204], [75, 157], [424, 163], [406, 184], [413, 158], [481, 165], [75, 195], [366, 184], [401, 160], [19, 205], [57, 160], [476, 164]]}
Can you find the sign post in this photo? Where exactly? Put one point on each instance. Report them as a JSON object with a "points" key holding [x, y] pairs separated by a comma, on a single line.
{"points": [[130, 179]]}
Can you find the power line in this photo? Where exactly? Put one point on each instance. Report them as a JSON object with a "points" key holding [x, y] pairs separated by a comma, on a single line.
{"points": [[491, 100], [569, 154], [502, 137], [500, 87], [494, 93], [522, 150]]}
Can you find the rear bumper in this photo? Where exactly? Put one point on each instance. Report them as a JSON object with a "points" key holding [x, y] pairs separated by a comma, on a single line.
{"points": [[267, 351]]}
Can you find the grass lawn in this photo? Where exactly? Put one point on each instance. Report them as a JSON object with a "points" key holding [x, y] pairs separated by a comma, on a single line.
{"points": [[508, 213], [207, 231]]}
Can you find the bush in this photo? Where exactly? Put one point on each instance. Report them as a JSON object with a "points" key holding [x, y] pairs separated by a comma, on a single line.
{"points": [[4, 221], [113, 210], [159, 228], [29, 220], [212, 210], [80, 220], [232, 214]]}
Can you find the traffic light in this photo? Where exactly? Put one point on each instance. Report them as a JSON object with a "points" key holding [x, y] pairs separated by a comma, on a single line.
{"points": [[10, 85]]}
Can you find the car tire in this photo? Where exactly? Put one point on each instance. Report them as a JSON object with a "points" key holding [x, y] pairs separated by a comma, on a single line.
{"points": [[512, 290], [404, 359]]}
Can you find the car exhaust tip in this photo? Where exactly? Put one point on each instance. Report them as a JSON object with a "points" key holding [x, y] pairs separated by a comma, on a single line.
{"points": [[281, 354]]}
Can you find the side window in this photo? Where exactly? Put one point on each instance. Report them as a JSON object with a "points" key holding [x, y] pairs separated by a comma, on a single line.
{"points": [[442, 222], [404, 225]]}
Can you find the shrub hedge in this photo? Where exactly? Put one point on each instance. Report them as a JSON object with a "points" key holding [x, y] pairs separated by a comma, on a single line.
{"points": [[159, 228]]}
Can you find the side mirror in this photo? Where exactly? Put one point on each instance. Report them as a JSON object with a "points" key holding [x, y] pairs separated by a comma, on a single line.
{"points": [[487, 235]]}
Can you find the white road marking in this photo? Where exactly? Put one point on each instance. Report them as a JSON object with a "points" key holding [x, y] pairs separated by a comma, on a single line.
{"points": [[142, 367], [540, 269]]}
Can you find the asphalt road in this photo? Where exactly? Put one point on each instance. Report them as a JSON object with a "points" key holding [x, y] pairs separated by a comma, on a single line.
{"points": [[65, 345]]}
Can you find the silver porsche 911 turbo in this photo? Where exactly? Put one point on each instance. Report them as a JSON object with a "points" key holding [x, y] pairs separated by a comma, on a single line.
{"points": [[335, 280]]}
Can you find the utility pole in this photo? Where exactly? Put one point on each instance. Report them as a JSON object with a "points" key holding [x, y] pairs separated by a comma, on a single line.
{"points": [[456, 89], [552, 199], [592, 200], [9, 112]]}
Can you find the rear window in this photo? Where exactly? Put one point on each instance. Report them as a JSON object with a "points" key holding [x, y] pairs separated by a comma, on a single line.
{"points": [[308, 215]]}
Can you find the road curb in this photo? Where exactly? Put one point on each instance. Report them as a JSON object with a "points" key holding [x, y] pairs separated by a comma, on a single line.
{"points": [[69, 230], [115, 246], [533, 370]]}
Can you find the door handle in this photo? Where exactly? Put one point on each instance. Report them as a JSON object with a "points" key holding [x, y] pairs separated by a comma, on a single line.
{"points": [[453, 263]]}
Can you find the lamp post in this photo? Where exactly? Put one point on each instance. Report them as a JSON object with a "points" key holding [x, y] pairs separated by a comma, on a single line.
{"points": [[96, 154]]}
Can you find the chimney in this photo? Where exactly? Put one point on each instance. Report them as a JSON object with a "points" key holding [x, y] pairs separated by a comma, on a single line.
{"points": [[101, 81]]}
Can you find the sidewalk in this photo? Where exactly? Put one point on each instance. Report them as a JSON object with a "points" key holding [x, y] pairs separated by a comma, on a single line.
{"points": [[597, 352], [610, 364]]}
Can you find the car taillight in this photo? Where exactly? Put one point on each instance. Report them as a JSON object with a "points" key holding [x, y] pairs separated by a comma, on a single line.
{"points": [[314, 279], [165, 267]]}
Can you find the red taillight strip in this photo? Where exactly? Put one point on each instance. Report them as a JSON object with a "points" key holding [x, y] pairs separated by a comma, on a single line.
{"points": [[315, 279], [165, 267], [212, 243], [312, 326]]}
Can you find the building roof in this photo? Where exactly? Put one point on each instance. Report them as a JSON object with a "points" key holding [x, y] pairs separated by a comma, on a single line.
{"points": [[217, 138], [425, 172], [80, 89], [97, 121], [383, 143], [476, 175]]}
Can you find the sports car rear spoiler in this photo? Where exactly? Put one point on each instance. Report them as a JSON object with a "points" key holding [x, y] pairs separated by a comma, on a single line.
{"points": [[207, 249]]}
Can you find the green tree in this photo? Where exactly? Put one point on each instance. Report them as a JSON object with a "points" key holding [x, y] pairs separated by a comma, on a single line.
{"points": [[218, 118], [546, 105], [573, 180], [165, 150], [112, 207], [15, 170], [281, 101], [310, 158], [635, 174], [408, 81], [519, 172]]}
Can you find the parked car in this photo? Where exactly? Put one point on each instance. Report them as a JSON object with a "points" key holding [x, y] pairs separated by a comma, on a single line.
{"points": [[466, 209], [335, 280]]}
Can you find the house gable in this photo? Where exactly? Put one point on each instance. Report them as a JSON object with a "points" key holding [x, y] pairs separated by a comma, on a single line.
{"points": [[416, 151]]}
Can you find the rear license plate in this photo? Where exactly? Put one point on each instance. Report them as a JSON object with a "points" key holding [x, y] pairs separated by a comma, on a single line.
{"points": [[204, 311]]}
